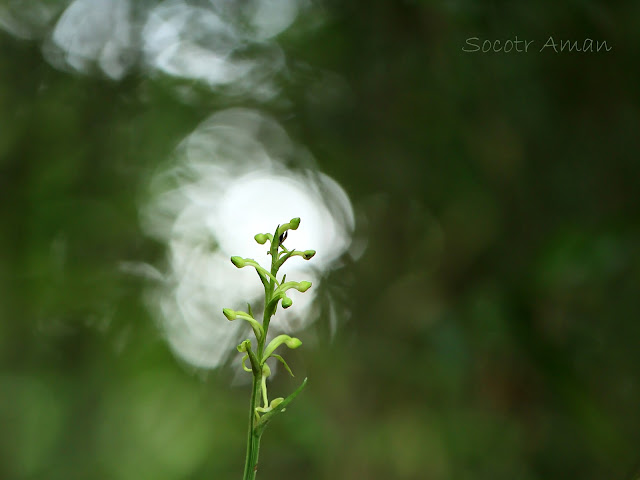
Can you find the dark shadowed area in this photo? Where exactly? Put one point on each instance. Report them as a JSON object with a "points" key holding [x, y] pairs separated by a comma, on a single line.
{"points": [[475, 304]]}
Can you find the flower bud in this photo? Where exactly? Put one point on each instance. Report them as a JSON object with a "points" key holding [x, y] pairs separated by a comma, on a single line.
{"points": [[238, 261], [261, 238], [308, 254], [303, 286], [244, 346], [292, 342], [230, 314], [294, 223], [275, 402], [286, 302]]}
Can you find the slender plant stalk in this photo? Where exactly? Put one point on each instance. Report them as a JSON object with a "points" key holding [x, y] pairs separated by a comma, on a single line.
{"points": [[253, 437], [274, 294]]}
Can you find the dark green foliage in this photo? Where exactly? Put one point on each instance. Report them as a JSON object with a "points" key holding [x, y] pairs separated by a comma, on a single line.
{"points": [[493, 329]]}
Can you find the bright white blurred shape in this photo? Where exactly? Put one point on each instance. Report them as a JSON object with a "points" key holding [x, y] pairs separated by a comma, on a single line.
{"points": [[93, 32], [190, 42], [259, 19], [27, 19], [247, 208], [194, 42], [273, 16], [228, 184], [226, 44]]}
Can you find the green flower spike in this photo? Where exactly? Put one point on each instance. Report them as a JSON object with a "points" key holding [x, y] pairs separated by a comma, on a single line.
{"points": [[274, 292]]}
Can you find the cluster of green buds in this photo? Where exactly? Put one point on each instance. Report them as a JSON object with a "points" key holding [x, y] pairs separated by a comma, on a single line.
{"points": [[275, 294]]}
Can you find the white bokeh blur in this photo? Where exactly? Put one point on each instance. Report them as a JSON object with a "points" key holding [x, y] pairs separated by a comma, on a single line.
{"points": [[228, 46], [230, 181], [236, 175], [93, 32]]}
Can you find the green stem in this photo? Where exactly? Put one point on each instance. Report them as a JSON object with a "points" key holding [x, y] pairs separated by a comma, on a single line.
{"points": [[254, 435]]}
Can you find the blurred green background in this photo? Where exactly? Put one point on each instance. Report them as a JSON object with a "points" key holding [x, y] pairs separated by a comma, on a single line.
{"points": [[493, 329]]}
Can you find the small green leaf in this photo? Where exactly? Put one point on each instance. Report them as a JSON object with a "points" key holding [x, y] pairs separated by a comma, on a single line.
{"points": [[284, 363], [266, 418]]}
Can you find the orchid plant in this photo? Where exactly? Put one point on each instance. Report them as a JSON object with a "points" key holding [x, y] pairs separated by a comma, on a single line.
{"points": [[275, 293]]}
